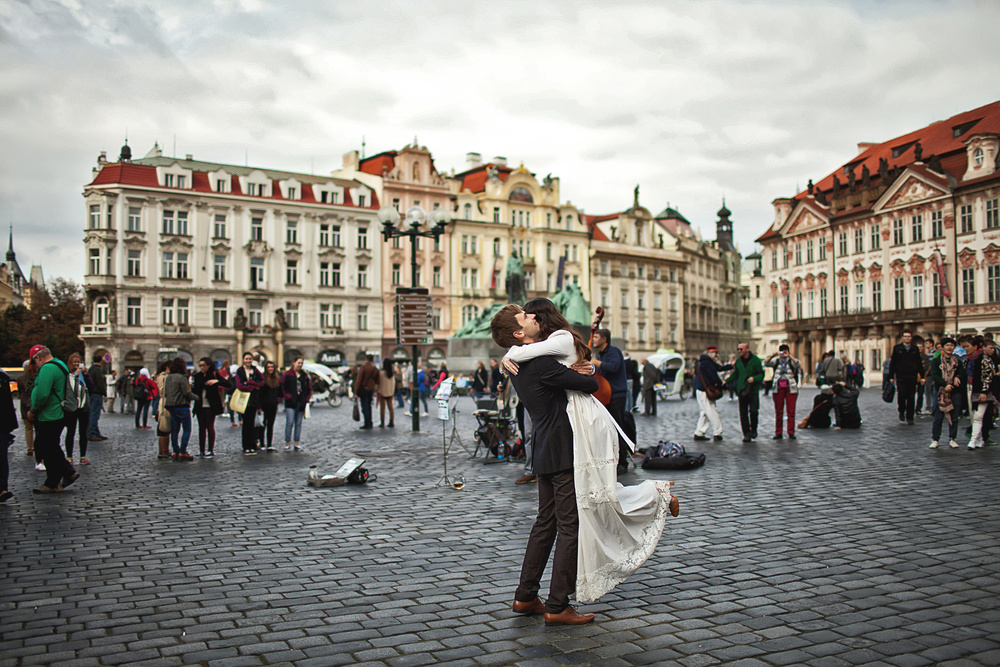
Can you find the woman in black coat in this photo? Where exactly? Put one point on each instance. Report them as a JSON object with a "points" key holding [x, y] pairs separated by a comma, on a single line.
{"points": [[209, 387], [270, 397]]}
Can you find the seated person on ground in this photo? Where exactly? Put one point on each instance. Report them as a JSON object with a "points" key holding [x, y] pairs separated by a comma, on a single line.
{"points": [[845, 406], [822, 404]]}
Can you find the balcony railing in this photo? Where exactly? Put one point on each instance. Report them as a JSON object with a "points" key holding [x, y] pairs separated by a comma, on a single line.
{"points": [[96, 329], [863, 317]]}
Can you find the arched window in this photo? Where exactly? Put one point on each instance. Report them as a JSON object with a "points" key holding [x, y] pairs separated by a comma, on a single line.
{"points": [[101, 311], [468, 314], [521, 194], [468, 211]]}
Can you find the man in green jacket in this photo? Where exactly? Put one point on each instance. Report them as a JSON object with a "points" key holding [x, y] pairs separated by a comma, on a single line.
{"points": [[749, 380], [47, 414]]}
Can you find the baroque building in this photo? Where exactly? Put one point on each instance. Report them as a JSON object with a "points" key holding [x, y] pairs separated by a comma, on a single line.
{"points": [[903, 236], [192, 258]]}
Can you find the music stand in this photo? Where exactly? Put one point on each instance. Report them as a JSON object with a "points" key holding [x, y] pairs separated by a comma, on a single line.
{"points": [[444, 408]]}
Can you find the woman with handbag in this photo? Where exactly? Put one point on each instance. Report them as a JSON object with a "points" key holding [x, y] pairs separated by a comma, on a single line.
{"points": [[249, 381], [80, 418], [708, 389], [209, 387], [297, 391], [786, 389], [270, 396], [386, 389], [163, 427], [177, 396]]}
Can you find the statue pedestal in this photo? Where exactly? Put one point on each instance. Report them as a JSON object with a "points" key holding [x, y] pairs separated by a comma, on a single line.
{"points": [[463, 353], [279, 348], [240, 335]]}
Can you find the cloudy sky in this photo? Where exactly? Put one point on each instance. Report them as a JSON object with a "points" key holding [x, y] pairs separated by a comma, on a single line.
{"points": [[693, 101]]}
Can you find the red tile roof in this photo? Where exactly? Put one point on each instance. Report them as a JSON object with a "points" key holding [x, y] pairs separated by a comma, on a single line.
{"points": [[475, 179], [307, 193], [235, 187], [595, 231], [379, 164], [128, 174], [199, 182]]}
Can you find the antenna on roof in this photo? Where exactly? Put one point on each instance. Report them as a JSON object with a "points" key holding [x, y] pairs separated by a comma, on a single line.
{"points": [[362, 147], [175, 144], [313, 166], [246, 157]]}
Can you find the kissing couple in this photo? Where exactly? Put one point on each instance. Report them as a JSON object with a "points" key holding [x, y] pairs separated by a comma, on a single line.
{"points": [[602, 531]]}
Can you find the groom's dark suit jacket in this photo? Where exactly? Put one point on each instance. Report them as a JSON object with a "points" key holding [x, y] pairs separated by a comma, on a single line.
{"points": [[541, 385]]}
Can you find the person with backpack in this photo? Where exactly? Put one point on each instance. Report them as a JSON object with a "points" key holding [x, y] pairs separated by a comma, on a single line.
{"points": [[143, 391], [79, 418], [47, 400], [786, 387]]}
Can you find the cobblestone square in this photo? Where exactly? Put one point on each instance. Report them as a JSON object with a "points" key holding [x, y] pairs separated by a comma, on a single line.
{"points": [[839, 548]]}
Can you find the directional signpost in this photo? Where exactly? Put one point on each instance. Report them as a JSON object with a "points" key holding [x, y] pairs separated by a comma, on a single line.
{"points": [[414, 325]]}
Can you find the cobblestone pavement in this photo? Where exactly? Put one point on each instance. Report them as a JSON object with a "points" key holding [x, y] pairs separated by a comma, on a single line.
{"points": [[840, 548]]}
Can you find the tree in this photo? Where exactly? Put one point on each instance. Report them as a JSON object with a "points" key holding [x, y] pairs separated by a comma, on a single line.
{"points": [[11, 326], [53, 321]]}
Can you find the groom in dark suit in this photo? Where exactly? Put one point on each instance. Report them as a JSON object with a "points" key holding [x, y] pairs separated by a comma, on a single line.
{"points": [[541, 385]]}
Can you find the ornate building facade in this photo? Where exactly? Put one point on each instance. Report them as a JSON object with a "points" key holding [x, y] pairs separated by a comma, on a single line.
{"points": [[191, 258], [905, 235]]}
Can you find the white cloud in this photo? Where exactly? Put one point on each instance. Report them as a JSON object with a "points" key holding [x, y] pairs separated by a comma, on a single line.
{"points": [[691, 100]]}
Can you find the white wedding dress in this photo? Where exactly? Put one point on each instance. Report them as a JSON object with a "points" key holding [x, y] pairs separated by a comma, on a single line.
{"points": [[619, 525]]}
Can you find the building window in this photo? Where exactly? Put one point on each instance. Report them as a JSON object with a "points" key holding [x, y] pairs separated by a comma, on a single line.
{"points": [[917, 228], [992, 222], [859, 297], [94, 267], [362, 275], [897, 231], [362, 318], [292, 232], [936, 289], [798, 305], [876, 296], [324, 274], [324, 316], [101, 311], [469, 313], [256, 229], [182, 265], [604, 297], [167, 312], [220, 314], [968, 286], [292, 192], [842, 244], [640, 300], [337, 316], [255, 313], [822, 302], [876, 358], [810, 305], [168, 265], [256, 273], [859, 240], [436, 276], [548, 252], [436, 318], [624, 299], [324, 236], [822, 249], [625, 331], [876, 237], [774, 259], [184, 312], [395, 274], [937, 224], [465, 279], [473, 278], [966, 218], [798, 254], [437, 244], [844, 299], [168, 222], [133, 311], [918, 291], [292, 314], [774, 309], [219, 227], [134, 223], [362, 238], [95, 217], [657, 301], [899, 294], [362, 201], [335, 279], [182, 223], [335, 236], [134, 263], [993, 283], [219, 267], [220, 185], [784, 258], [291, 272], [809, 251]]}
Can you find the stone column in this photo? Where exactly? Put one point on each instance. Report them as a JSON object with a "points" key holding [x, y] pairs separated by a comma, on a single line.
{"points": [[279, 352], [239, 346]]}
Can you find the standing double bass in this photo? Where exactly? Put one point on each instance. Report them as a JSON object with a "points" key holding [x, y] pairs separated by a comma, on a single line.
{"points": [[603, 393]]}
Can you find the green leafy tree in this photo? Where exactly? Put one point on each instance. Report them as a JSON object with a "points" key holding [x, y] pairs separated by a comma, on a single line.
{"points": [[11, 326], [53, 321]]}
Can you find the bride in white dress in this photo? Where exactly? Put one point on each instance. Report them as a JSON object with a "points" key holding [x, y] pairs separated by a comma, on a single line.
{"points": [[619, 525]]}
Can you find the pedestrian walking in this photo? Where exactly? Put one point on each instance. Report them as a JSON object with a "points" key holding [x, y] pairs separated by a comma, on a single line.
{"points": [[365, 384], [707, 390], [749, 377], [97, 394], [982, 373], [297, 390], [480, 381], [947, 375], [126, 399], [178, 397], [270, 397], [160, 413], [25, 384], [904, 369], [249, 380], [650, 375], [8, 424], [78, 419], [144, 391], [786, 387], [386, 388], [210, 388], [47, 412], [401, 385], [421, 388]]}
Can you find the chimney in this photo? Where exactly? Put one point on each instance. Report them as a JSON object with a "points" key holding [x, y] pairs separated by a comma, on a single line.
{"points": [[352, 160], [865, 145], [102, 158], [500, 160], [473, 160], [189, 157]]}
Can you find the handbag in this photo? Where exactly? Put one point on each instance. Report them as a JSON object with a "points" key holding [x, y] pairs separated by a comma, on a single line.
{"points": [[714, 392], [258, 420], [356, 415], [238, 402], [163, 422], [889, 393]]}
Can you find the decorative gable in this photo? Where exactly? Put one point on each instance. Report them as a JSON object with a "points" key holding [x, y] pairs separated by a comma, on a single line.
{"points": [[908, 190], [802, 220]]}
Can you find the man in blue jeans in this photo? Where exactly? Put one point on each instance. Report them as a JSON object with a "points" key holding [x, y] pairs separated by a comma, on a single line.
{"points": [[97, 395]]}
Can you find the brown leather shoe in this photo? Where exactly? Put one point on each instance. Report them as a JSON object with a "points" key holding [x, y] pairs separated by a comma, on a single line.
{"points": [[47, 489], [70, 478], [529, 608], [675, 505], [524, 479], [568, 616]]}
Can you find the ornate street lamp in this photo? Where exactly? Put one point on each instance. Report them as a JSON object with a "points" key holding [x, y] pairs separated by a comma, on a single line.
{"points": [[394, 227]]}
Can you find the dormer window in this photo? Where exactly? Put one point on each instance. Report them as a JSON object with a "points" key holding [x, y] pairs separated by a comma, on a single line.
{"points": [[959, 130], [978, 157], [168, 180], [292, 193], [362, 201], [899, 150], [220, 185], [181, 181]]}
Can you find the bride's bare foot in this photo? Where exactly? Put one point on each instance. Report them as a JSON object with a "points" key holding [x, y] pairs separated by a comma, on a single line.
{"points": [[675, 505]]}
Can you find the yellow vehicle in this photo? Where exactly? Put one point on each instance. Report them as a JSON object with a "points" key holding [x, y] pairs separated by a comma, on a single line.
{"points": [[13, 372]]}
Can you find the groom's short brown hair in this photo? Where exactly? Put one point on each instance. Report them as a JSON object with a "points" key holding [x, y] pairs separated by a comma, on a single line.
{"points": [[504, 324]]}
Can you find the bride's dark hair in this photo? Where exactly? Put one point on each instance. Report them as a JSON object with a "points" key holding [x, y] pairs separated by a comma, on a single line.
{"points": [[550, 320]]}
